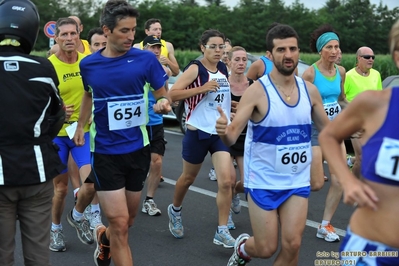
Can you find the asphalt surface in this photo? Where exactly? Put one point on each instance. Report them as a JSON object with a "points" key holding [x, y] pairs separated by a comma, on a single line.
{"points": [[153, 245]]}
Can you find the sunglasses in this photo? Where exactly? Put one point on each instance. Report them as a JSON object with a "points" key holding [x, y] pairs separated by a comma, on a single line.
{"points": [[367, 57]]}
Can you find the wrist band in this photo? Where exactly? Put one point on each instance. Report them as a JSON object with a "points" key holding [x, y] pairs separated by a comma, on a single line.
{"points": [[163, 97]]}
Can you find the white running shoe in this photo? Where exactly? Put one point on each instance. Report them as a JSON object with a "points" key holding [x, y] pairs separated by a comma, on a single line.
{"points": [[212, 174]]}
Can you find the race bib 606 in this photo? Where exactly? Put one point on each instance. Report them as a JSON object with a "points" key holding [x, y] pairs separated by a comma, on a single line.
{"points": [[293, 158]]}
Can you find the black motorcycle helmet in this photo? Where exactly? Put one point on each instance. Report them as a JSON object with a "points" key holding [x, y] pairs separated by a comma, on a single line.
{"points": [[19, 20]]}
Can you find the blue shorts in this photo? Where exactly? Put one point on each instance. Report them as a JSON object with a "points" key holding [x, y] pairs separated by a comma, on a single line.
{"points": [[81, 155], [272, 199], [197, 143], [367, 251]]}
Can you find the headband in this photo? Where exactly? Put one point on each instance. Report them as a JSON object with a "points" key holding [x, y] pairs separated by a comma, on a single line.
{"points": [[324, 39]]}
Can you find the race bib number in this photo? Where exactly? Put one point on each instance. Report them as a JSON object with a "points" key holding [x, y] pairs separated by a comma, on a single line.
{"points": [[387, 163], [214, 100], [332, 109], [126, 114], [294, 158]]}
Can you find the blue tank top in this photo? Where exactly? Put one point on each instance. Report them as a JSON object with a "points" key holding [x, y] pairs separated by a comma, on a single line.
{"points": [[380, 159], [154, 118], [268, 64], [329, 88]]}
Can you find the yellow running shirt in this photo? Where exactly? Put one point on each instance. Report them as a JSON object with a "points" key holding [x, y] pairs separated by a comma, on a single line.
{"points": [[356, 83], [71, 87]]}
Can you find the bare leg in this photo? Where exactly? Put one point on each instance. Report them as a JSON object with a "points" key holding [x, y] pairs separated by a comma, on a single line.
{"points": [[357, 148], [316, 170]]}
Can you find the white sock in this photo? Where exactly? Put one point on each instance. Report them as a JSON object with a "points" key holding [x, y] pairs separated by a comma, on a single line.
{"points": [[324, 223], [242, 251], [95, 208], [56, 227], [77, 216], [75, 191]]}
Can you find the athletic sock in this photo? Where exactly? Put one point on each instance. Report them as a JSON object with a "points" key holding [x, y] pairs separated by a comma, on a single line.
{"points": [[56, 227], [242, 252], [324, 223], [77, 216], [176, 210], [75, 192], [148, 198]]}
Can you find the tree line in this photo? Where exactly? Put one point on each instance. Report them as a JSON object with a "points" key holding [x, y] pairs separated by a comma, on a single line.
{"points": [[358, 22]]}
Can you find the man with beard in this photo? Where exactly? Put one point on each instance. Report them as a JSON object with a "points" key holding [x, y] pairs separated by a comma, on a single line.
{"points": [[278, 109]]}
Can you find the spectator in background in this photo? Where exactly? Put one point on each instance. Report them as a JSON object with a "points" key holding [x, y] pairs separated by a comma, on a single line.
{"points": [[167, 57], [361, 78], [96, 39], [32, 114], [373, 225]]}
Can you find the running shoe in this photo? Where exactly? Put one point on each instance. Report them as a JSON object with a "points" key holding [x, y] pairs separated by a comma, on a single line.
{"points": [[230, 222], [235, 204], [327, 233], [224, 238], [82, 229], [102, 253], [236, 259], [57, 242], [150, 207], [212, 174], [175, 223], [95, 220]]}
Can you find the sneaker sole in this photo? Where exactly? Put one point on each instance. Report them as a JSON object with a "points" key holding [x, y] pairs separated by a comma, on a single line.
{"points": [[58, 250], [158, 213], [321, 236], [219, 243]]}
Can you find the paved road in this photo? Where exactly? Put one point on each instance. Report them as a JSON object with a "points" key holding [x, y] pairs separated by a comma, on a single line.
{"points": [[153, 245]]}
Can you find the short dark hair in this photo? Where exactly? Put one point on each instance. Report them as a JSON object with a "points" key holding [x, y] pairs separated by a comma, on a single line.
{"points": [[228, 40], [206, 35], [93, 31], [317, 33], [65, 21], [114, 11], [151, 21], [279, 31]]}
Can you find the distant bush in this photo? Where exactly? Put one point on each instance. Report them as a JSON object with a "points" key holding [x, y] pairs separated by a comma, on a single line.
{"points": [[383, 63]]}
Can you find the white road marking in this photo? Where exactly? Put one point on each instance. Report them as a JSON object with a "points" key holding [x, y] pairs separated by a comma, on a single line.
{"points": [[205, 192]]}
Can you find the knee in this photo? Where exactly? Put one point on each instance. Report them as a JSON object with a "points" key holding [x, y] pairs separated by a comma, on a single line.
{"points": [[119, 226], [187, 180], [156, 163], [291, 245], [60, 190], [266, 251]]}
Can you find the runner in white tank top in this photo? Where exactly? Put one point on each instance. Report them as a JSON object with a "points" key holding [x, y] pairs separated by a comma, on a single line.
{"points": [[277, 153]]}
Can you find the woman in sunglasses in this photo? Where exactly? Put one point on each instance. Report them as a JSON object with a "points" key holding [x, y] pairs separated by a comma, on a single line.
{"points": [[329, 79], [373, 231], [360, 78]]}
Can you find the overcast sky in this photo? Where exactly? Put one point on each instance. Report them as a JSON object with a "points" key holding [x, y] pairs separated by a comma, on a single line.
{"points": [[312, 3]]}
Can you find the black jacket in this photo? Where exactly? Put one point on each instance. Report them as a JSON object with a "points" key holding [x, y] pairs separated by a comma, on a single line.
{"points": [[29, 101]]}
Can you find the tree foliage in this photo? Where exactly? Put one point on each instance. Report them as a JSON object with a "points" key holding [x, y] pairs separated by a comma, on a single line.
{"points": [[358, 22]]}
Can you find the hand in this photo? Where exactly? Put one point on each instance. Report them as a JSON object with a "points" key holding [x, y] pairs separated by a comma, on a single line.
{"points": [[221, 123], [234, 106], [68, 111], [163, 60], [211, 85], [359, 194], [79, 137], [162, 106]]}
